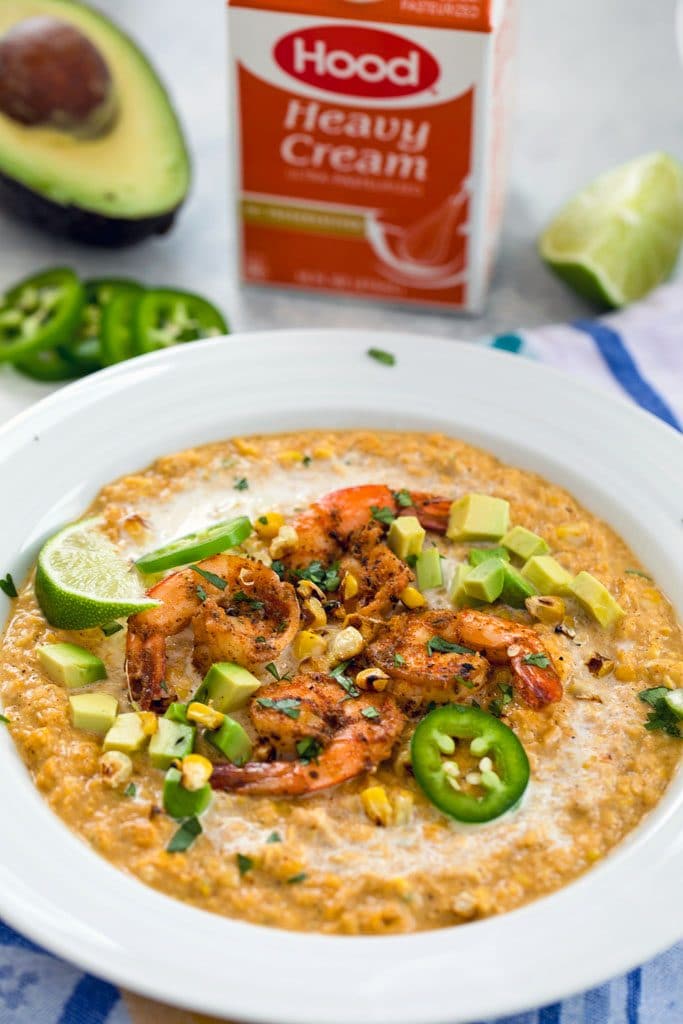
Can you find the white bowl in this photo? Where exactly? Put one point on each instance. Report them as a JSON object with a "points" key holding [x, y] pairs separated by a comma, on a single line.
{"points": [[622, 463]]}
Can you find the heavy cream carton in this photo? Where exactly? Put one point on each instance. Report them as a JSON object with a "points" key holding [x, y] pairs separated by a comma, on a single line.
{"points": [[371, 143]]}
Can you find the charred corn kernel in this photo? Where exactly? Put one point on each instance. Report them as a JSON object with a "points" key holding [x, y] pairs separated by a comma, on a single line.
{"points": [[202, 714], [403, 807], [625, 673], [306, 588], [412, 598], [308, 644], [150, 723], [372, 679], [291, 455], [245, 447], [349, 586], [317, 613], [347, 643], [547, 609], [269, 525], [583, 690], [604, 668], [195, 771], [323, 451], [135, 526], [377, 806], [570, 531], [115, 768], [285, 542]]}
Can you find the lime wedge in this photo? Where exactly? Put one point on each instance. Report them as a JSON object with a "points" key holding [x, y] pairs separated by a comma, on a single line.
{"points": [[619, 238], [82, 581]]}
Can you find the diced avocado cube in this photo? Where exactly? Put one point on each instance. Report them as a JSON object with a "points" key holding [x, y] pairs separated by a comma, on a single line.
{"points": [[127, 734], [524, 543], [547, 575], [478, 555], [70, 665], [428, 569], [478, 517], [184, 803], [172, 740], [674, 702], [485, 581], [93, 712], [457, 592], [232, 740], [406, 537], [177, 712], [227, 687], [596, 599], [515, 588]]}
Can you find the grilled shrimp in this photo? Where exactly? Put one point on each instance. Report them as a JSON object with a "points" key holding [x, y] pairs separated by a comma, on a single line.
{"points": [[324, 528], [381, 576], [420, 673], [350, 736], [511, 643], [246, 614]]}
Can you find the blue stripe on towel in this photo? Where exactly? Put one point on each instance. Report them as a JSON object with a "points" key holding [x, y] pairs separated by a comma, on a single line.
{"points": [[634, 984], [8, 937], [625, 370], [550, 1014], [91, 1002]]}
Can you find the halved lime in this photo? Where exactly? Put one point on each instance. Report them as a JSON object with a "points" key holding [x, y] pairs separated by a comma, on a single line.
{"points": [[82, 581], [620, 237], [195, 546]]}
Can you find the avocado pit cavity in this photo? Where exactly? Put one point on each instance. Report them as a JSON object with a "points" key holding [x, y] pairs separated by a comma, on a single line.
{"points": [[53, 76]]}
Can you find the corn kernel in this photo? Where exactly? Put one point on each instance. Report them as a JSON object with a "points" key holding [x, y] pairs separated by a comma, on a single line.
{"points": [[372, 679], [323, 451], [202, 714], [115, 768], [195, 771], [625, 673], [547, 609], [571, 530], [350, 586], [291, 456], [308, 644], [317, 613], [149, 722], [377, 806], [412, 598], [403, 807], [285, 542], [245, 447], [269, 525], [346, 644]]}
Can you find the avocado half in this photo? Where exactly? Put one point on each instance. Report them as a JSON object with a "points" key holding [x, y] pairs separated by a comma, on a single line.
{"points": [[114, 188]]}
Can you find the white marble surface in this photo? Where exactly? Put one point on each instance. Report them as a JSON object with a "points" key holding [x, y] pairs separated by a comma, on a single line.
{"points": [[599, 82]]}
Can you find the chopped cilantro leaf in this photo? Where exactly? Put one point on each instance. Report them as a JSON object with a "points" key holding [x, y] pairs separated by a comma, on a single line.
{"points": [[290, 706], [496, 707], [381, 356], [371, 713], [661, 717], [326, 579], [241, 598], [279, 568], [346, 684], [308, 749], [539, 660], [242, 484], [307, 460], [110, 628], [403, 498], [201, 593], [274, 837], [263, 520], [272, 668], [295, 879], [210, 577], [130, 790], [382, 515], [7, 586], [637, 572], [399, 660], [244, 863], [437, 643], [4, 719], [184, 837]]}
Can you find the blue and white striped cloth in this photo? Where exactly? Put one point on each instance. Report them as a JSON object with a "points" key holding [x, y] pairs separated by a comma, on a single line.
{"points": [[638, 353]]}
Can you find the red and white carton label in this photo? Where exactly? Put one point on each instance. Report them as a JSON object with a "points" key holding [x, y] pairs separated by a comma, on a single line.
{"points": [[371, 143]]}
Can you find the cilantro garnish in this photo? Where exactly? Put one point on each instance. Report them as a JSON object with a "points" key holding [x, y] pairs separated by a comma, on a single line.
{"points": [[244, 863], [371, 713], [661, 717], [437, 643], [111, 628], [210, 577], [274, 837], [382, 515], [326, 579], [242, 484], [637, 572], [295, 879], [7, 586], [539, 660], [290, 706], [4, 719], [497, 706], [201, 593], [263, 520], [185, 836], [403, 498], [130, 790], [399, 660], [279, 567], [272, 668], [308, 749], [241, 598], [307, 460], [346, 684], [381, 356]]}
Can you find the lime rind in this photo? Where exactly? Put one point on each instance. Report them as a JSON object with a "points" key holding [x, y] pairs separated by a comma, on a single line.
{"points": [[82, 581], [620, 237]]}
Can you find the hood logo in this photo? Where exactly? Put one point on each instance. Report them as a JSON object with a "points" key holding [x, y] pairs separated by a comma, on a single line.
{"points": [[356, 61]]}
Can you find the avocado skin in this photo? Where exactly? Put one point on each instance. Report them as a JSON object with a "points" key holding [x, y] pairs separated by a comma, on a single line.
{"points": [[78, 224]]}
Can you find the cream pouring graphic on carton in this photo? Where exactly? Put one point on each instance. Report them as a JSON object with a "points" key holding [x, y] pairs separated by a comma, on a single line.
{"points": [[371, 143]]}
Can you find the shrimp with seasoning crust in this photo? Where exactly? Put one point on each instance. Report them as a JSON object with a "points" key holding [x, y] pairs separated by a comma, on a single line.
{"points": [[239, 611]]}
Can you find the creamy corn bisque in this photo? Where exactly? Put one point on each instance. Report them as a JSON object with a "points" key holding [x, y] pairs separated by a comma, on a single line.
{"points": [[373, 854]]}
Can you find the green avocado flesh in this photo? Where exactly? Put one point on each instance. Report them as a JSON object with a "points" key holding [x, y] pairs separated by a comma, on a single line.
{"points": [[111, 189]]}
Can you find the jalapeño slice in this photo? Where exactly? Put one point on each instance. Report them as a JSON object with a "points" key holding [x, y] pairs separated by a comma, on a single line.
{"points": [[434, 749], [165, 317], [193, 547], [41, 312]]}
